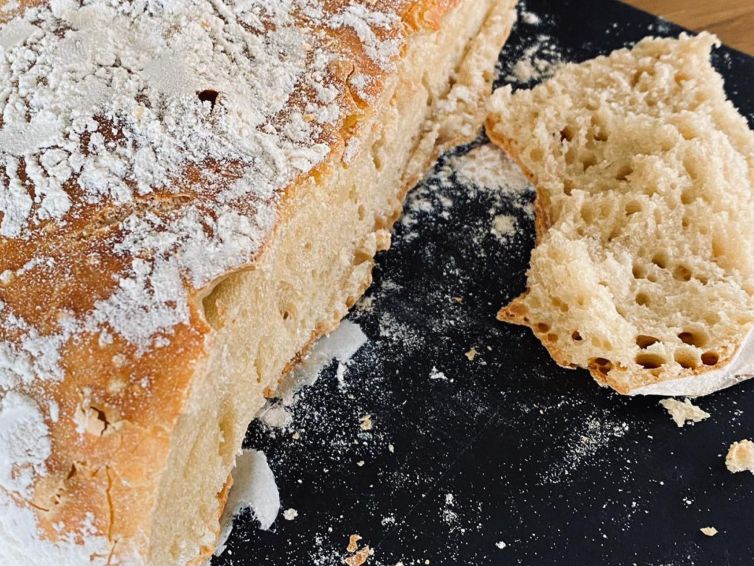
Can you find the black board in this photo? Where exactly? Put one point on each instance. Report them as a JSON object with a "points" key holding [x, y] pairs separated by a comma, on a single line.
{"points": [[509, 448]]}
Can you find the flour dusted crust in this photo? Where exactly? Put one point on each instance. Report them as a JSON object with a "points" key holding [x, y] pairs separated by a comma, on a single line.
{"points": [[160, 165]]}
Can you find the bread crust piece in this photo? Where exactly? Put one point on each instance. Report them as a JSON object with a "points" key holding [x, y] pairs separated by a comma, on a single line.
{"points": [[556, 110], [112, 390]]}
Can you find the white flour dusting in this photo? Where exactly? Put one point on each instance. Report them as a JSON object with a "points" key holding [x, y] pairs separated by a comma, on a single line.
{"points": [[24, 443], [254, 488], [341, 345], [584, 446], [538, 61]]}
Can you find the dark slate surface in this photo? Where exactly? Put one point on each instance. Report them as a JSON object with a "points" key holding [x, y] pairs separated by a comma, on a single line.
{"points": [[509, 448]]}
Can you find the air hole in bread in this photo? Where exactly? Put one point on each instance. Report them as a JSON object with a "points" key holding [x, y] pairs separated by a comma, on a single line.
{"points": [[567, 133], [632, 207], [552, 337], [642, 298], [536, 154], [543, 327], [575, 336], [644, 341], [686, 359], [213, 307], [651, 277], [639, 271], [710, 358], [682, 273], [362, 212], [518, 309], [587, 212], [559, 304], [691, 167], [589, 160], [649, 360], [227, 445], [568, 187], [601, 365], [687, 197], [718, 247], [660, 259], [681, 78], [687, 131]]}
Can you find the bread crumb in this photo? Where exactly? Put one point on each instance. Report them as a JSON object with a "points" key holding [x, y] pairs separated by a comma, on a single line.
{"points": [[684, 411], [501, 545], [366, 422], [471, 354], [360, 463], [290, 514], [709, 531], [458, 300], [360, 557], [740, 457], [353, 543]]}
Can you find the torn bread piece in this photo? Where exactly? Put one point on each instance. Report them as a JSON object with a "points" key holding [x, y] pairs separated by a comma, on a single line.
{"points": [[191, 193], [643, 271], [683, 412], [740, 457]]}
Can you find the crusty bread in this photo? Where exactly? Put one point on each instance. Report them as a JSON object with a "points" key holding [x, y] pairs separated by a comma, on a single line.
{"points": [[192, 193], [644, 266]]}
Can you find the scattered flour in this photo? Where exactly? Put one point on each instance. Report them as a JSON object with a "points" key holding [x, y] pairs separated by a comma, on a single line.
{"points": [[254, 488], [437, 374], [539, 61], [584, 446], [341, 345]]}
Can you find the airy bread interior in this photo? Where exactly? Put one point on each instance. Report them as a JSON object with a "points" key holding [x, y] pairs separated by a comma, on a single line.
{"points": [[316, 265], [644, 266]]}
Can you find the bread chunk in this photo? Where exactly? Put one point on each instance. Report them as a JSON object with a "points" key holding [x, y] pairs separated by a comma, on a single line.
{"points": [[643, 271], [191, 193]]}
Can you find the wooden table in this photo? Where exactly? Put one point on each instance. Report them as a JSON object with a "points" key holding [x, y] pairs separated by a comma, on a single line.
{"points": [[731, 20]]}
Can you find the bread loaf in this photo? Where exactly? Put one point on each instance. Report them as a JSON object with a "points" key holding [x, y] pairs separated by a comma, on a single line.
{"points": [[644, 266], [191, 193]]}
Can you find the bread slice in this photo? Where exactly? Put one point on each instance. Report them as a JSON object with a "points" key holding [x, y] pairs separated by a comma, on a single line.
{"points": [[192, 193], [644, 266]]}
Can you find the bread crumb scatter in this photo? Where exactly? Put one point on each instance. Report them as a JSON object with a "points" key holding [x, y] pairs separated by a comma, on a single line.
{"points": [[740, 457], [709, 531], [539, 61], [365, 423], [290, 514], [501, 545], [684, 411], [359, 557], [471, 354]]}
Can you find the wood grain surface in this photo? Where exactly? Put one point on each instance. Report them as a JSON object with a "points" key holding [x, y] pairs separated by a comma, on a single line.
{"points": [[731, 20]]}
